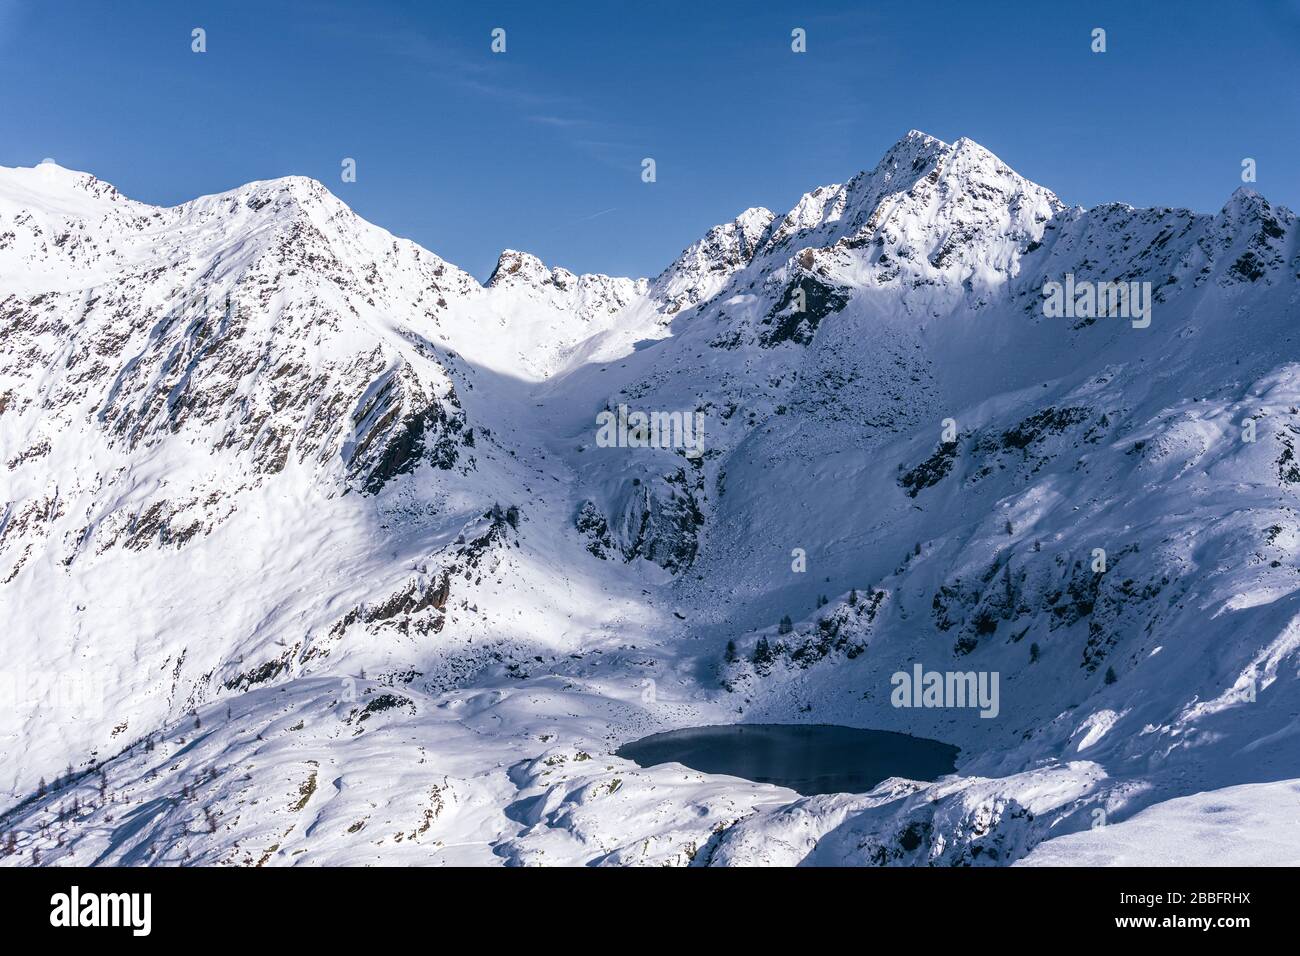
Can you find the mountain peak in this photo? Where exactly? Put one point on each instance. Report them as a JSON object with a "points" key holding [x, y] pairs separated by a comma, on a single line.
{"points": [[300, 191], [514, 267], [705, 265], [965, 146], [915, 151], [1243, 199], [55, 188], [915, 140], [754, 220], [1246, 203]]}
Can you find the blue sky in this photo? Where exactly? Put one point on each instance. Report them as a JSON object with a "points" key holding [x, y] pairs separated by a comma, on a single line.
{"points": [[540, 148]]}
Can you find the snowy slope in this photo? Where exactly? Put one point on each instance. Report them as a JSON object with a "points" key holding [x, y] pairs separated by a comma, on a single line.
{"points": [[309, 553]]}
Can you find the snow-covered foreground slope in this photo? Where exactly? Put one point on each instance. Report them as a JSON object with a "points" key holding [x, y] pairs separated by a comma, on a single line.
{"points": [[312, 552], [1249, 825]]}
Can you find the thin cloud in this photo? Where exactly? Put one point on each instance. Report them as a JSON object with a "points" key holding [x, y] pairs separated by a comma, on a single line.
{"points": [[581, 219], [560, 122], [494, 78]]}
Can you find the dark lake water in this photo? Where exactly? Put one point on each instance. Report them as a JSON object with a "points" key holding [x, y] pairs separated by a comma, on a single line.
{"points": [[807, 758]]}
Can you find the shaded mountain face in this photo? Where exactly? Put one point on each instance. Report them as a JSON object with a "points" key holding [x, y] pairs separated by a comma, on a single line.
{"points": [[312, 544]]}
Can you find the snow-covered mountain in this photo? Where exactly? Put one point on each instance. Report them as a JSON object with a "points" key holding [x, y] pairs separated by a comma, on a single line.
{"points": [[312, 552]]}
